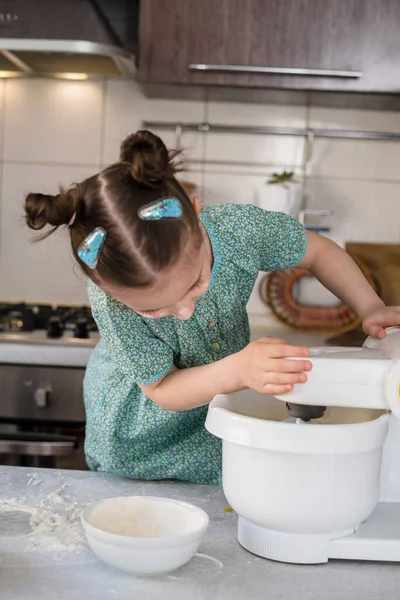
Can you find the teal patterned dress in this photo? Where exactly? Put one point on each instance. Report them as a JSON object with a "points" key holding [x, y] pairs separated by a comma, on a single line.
{"points": [[127, 433]]}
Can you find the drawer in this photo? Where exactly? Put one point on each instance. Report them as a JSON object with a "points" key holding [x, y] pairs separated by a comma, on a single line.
{"points": [[46, 394]]}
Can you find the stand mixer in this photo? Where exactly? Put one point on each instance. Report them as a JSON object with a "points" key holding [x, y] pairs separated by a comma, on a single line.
{"points": [[306, 485], [367, 377]]}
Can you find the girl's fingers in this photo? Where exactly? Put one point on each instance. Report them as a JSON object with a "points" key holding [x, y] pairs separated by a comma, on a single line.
{"points": [[376, 331], [380, 333], [285, 350], [285, 365], [285, 378], [275, 390]]}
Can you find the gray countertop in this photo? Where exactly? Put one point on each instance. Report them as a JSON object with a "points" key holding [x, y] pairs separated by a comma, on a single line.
{"points": [[41, 565], [37, 349]]}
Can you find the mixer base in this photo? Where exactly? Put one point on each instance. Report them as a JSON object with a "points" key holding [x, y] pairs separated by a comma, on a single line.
{"points": [[378, 539]]}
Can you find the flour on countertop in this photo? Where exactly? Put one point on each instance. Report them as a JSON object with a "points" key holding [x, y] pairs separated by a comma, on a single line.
{"points": [[56, 495], [55, 523], [217, 562], [34, 479]]}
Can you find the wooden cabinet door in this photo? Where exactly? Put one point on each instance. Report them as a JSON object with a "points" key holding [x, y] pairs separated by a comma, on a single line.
{"points": [[349, 45]]}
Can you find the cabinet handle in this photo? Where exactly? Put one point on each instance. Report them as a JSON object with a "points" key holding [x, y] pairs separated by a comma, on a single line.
{"points": [[275, 70], [41, 397]]}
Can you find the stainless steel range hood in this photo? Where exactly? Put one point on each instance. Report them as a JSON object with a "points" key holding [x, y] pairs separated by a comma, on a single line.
{"points": [[68, 39]]}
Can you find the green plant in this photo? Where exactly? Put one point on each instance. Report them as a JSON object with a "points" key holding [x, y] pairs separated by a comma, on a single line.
{"points": [[283, 179]]}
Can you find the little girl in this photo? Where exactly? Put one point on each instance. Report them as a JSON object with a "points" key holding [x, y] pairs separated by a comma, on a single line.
{"points": [[168, 287]]}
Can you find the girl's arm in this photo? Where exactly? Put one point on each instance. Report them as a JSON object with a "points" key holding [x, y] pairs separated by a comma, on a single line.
{"points": [[262, 366], [336, 270]]}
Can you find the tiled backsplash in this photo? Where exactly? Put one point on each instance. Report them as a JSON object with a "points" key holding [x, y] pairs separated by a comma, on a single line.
{"points": [[57, 132]]}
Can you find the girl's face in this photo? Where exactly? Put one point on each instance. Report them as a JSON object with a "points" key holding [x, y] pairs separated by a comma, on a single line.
{"points": [[175, 292]]}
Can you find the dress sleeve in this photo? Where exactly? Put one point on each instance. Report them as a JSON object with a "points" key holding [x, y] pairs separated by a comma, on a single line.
{"points": [[133, 347], [271, 241]]}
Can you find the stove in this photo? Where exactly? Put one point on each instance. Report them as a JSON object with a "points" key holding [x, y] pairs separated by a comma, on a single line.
{"points": [[44, 350], [46, 321]]}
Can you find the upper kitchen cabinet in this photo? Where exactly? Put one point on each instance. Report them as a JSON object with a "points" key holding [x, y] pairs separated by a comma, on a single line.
{"points": [[336, 45]]}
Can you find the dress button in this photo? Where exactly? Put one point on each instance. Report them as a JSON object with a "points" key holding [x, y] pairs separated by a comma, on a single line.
{"points": [[215, 345], [211, 324], [202, 301]]}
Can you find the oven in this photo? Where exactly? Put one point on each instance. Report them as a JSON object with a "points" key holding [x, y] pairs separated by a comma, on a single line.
{"points": [[43, 355]]}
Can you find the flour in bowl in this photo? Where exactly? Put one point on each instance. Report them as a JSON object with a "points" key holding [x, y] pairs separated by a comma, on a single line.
{"points": [[124, 517]]}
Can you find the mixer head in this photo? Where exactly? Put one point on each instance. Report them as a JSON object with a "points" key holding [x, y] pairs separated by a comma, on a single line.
{"points": [[305, 412], [367, 377]]}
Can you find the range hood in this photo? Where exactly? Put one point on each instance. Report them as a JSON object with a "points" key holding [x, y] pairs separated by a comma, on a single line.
{"points": [[70, 39]]}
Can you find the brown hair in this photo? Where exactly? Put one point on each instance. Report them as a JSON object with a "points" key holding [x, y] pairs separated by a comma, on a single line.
{"points": [[134, 250]]}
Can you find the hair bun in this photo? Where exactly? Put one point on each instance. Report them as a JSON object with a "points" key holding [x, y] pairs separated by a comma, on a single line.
{"points": [[147, 156], [43, 209]]}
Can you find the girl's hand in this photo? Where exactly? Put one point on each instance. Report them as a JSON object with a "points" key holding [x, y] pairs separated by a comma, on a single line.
{"points": [[375, 322], [264, 366]]}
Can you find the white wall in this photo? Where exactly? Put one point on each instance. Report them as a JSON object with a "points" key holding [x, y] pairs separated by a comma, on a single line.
{"points": [[55, 132]]}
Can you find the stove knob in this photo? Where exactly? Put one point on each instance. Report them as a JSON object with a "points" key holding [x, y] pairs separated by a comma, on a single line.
{"points": [[15, 321], [28, 320], [54, 327], [81, 329]]}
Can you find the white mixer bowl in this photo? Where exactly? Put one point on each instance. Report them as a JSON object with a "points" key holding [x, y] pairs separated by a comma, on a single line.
{"points": [[290, 482]]}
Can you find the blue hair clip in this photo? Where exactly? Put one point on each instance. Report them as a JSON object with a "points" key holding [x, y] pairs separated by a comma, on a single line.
{"points": [[89, 250], [168, 208]]}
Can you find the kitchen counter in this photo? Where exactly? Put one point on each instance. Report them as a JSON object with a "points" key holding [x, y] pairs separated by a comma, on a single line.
{"points": [[41, 566], [37, 349]]}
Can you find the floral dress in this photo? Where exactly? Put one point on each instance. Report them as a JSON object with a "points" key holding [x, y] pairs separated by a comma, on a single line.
{"points": [[126, 432]]}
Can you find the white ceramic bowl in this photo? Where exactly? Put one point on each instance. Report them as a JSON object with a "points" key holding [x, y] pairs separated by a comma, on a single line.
{"points": [[288, 482], [144, 535]]}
